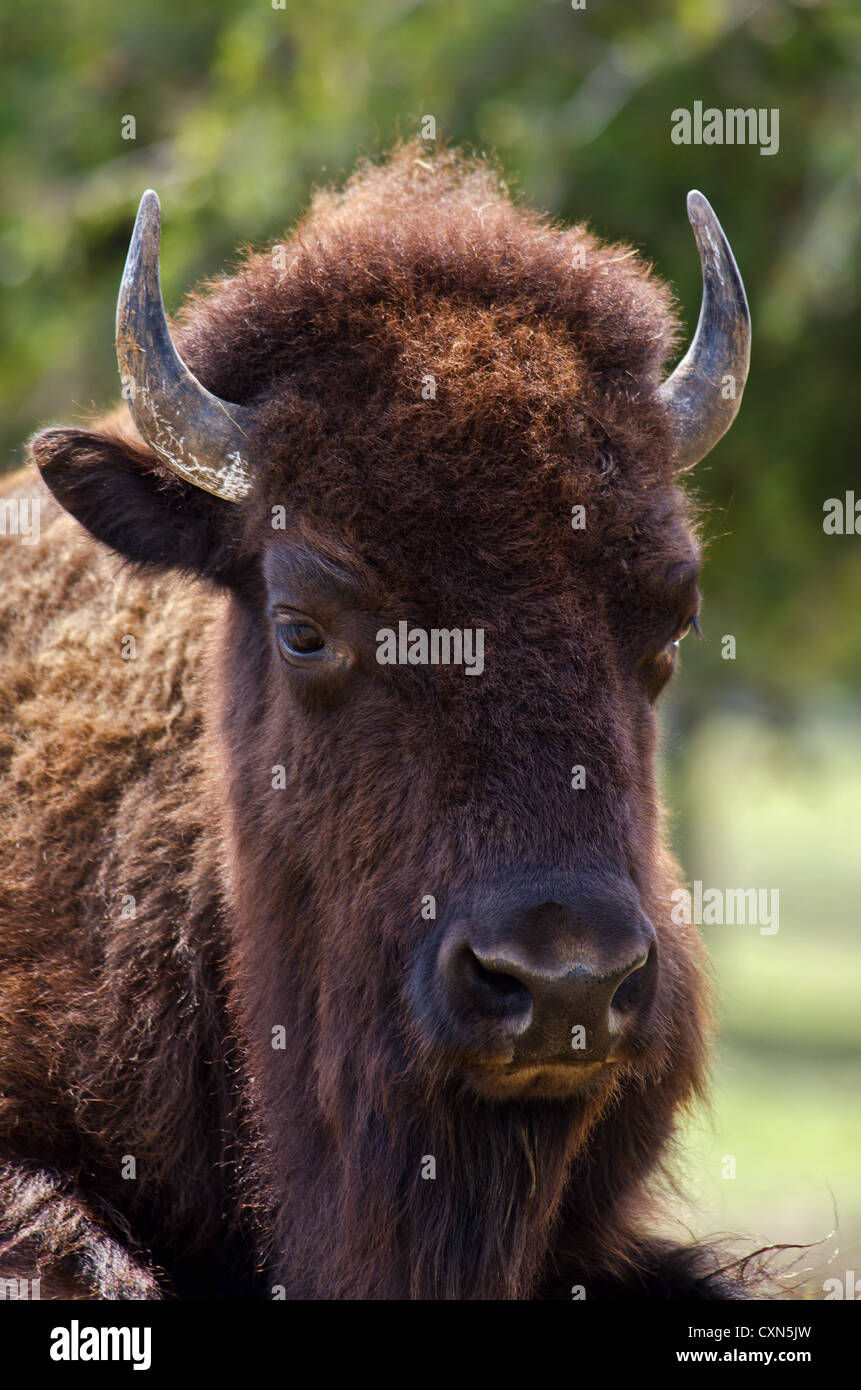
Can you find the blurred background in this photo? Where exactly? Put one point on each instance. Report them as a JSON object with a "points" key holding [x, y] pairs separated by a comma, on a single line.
{"points": [[240, 108]]}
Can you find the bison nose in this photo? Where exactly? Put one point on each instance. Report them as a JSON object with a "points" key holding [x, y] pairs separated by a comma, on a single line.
{"points": [[524, 996], [563, 984]]}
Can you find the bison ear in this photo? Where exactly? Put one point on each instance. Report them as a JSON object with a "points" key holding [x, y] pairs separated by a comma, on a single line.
{"points": [[119, 493]]}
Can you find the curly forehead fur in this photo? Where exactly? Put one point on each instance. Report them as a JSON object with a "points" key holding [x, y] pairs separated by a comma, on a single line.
{"points": [[542, 347]]}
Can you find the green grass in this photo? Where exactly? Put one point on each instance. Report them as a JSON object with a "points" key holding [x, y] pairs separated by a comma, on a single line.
{"points": [[793, 1129], [796, 992], [780, 809]]}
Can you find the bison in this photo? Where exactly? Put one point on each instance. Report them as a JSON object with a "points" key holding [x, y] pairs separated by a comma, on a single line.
{"points": [[327, 976]]}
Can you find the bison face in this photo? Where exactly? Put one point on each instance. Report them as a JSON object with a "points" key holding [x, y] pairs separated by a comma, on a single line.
{"points": [[457, 564], [470, 857]]}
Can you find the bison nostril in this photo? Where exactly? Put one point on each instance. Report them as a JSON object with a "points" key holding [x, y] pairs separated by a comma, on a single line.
{"points": [[494, 990], [630, 990]]}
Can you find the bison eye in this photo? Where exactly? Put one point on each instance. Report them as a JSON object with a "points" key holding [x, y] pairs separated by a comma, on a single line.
{"points": [[658, 667], [692, 625], [299, 639]]}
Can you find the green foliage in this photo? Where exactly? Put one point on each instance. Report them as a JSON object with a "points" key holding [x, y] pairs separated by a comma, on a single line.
{"points": [[241, 108]]}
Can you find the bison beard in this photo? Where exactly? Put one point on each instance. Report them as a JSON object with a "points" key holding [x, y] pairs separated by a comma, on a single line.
{"points": [[261, 906]]}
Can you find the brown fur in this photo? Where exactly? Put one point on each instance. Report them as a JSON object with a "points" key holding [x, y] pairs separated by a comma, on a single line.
{"points": [[255, 907]]}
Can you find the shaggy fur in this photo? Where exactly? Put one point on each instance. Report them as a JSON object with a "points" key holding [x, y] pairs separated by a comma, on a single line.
{"points": [[164, 906]]}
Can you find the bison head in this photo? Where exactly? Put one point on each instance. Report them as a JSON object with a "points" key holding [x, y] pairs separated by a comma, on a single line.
{"points": [[431, 417]]}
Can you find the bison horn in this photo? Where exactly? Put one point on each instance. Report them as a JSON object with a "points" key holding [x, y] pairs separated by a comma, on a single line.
{"points": [[200, 438], [704, 392]]}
